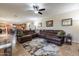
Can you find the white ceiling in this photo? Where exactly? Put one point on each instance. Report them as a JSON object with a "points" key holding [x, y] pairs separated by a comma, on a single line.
{"points": [[19, 12]]}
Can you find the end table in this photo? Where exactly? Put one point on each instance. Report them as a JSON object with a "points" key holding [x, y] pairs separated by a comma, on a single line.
{"points": [[68, 39]]}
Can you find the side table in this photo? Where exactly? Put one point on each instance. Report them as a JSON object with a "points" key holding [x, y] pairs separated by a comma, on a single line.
{"points": [[68, 38]]}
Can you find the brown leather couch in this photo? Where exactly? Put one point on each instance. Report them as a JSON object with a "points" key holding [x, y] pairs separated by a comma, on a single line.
{"points": [[27, 36], [52, 36], [30, 32]]}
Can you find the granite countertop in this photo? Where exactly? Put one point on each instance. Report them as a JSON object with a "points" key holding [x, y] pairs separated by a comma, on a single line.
{"points": [[5, 40]]}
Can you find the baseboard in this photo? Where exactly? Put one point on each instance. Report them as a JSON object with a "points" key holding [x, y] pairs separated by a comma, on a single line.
{"points": [[75, 42]]}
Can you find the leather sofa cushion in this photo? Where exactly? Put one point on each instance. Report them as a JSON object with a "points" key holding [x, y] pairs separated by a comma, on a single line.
{"points": [[53, 38]]}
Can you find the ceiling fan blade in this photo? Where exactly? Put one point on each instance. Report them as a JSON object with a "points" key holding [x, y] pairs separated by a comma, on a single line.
{"points": [[40, 13], [42, 9], [36, 7]]}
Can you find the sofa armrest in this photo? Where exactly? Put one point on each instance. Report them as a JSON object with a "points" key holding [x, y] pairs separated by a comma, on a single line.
{"points": [[25, 36]]}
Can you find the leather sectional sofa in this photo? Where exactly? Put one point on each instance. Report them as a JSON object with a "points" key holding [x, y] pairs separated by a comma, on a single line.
{"points": [[50, 35], [27, 36]]}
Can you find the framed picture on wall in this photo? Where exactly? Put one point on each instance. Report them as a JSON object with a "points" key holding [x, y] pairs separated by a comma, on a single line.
{"points": [[67, 22], [49, 23]]}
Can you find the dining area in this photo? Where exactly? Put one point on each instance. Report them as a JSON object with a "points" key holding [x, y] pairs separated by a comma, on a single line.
{"points": [[7, 41]]}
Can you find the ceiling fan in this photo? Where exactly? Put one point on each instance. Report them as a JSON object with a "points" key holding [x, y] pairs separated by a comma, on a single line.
{"points": [[38, 10]]}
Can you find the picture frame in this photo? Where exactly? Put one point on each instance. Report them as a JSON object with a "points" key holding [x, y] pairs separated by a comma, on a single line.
{"points": [[49, 23], [67, 22]]}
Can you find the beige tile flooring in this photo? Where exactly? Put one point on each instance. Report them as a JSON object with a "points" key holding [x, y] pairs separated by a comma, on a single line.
{"points": [[70, 50], [65, 50], [19, 51], [1, 52]]}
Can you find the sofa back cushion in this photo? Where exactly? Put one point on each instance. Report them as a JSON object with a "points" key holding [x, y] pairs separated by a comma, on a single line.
{"points": [[50, 32], [31, 32], [26, 32]]}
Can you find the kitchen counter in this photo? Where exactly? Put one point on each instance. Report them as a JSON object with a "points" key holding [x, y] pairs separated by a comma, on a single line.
{"points": [[7, 40]]}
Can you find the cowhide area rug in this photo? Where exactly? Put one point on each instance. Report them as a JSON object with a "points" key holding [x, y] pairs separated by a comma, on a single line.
{"points": [[40, 47]]}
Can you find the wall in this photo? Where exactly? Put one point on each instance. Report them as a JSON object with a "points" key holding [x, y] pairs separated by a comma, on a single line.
{"points": [[74, 29], [31, 26]]}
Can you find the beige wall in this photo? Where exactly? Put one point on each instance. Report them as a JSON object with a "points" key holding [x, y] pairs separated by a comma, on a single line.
{"points": [[74, 29]]}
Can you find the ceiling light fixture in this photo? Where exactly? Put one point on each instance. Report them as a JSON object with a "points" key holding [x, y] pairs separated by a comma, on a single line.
{"points": [[36, 12]]}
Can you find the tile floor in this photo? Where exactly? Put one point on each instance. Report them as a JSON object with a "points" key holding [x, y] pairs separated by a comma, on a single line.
{"points": [[65, 50]]}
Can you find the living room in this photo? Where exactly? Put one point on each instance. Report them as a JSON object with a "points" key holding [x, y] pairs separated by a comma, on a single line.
{"points": [[40, 29]]}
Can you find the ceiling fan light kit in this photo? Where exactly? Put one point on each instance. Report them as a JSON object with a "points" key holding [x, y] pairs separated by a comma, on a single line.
{"points": [[37, 10]]}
